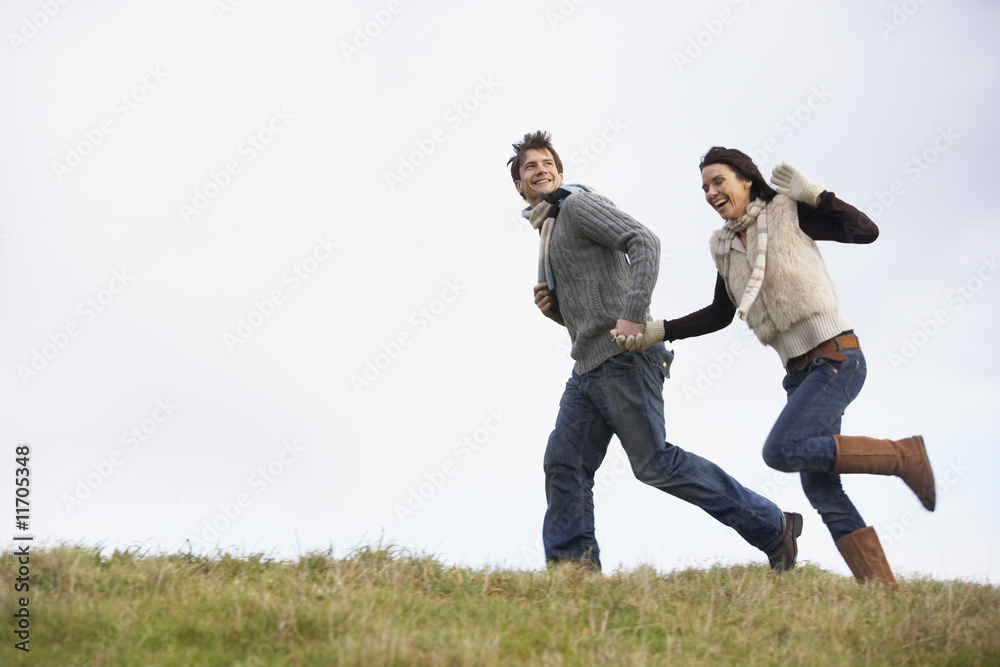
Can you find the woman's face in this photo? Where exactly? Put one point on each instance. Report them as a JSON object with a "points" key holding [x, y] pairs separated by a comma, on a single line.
{"points": [[726, 192]]}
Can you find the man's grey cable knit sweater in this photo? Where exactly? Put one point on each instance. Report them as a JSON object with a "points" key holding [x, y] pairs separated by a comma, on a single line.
{"points": [[606, 264]]}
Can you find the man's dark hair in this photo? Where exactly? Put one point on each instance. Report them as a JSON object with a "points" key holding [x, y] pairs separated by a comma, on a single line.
{"points": [[744, 167], [539, 140]]}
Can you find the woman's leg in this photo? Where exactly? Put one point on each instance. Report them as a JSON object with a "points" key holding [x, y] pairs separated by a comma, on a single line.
{"points": [[802, 437]]}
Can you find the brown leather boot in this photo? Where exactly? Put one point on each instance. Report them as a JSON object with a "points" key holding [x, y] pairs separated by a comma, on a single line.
{"points": [[901, 458], [783, 556], [863, 553]]}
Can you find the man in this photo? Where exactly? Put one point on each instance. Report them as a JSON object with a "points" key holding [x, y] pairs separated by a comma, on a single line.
{"points": [[597, 269]]}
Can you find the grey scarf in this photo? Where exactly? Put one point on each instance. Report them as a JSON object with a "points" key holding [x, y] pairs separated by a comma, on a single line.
{"points": [[543, 218]]}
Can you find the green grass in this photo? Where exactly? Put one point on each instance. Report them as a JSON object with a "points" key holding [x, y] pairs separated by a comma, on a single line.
{"points": [[381, 606]]}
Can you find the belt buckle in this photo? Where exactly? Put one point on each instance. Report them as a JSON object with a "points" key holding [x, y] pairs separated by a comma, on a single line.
{"points": [[799, 363]]}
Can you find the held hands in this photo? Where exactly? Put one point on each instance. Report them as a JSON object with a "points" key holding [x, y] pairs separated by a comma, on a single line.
{"points": [[635, 336], [792, 183]]}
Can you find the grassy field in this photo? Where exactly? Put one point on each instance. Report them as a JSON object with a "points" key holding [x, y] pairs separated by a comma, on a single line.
{"points": [[382, 607]]}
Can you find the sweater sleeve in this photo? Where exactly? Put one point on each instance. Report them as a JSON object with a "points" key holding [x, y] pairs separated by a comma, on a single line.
{"points": [[603, 223], [833, 219], [711, 318]]}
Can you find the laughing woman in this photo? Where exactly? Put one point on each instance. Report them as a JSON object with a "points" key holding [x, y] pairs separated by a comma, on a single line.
{"points": [[771, 272]]}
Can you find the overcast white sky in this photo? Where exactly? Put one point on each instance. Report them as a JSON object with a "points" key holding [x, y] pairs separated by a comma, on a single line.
{"points": [[266, 289]]}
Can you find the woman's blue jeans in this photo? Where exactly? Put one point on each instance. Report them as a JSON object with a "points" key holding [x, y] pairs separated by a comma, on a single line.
{"points": [[801, 439], [624, 397]]}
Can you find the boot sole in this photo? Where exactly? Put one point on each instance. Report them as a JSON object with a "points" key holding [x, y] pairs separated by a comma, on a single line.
{"points": [[797, 532], [928, 500]]}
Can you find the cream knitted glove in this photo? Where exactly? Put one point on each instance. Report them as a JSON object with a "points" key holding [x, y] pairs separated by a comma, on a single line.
{"points": [[791, 182], [653, 335]]}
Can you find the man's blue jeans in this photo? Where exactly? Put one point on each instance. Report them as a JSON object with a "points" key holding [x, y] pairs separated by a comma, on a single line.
{"points": [[624, 397], [801, 440]]}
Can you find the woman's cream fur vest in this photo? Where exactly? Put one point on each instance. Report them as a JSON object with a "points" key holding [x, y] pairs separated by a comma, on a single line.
{"points": [[797, 285]]}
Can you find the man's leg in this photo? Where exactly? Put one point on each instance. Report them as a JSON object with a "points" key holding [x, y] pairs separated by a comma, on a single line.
{"points": [[574, 452], [630, 396]]}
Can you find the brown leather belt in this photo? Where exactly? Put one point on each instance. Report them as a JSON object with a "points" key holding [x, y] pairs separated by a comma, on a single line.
{"points": [[830, 349]]}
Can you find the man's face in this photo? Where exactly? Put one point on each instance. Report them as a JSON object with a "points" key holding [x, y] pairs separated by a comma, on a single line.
{"points": [[539, 175]]}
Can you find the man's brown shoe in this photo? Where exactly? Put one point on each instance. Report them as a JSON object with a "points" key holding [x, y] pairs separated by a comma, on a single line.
{"points": [[783, 556]]}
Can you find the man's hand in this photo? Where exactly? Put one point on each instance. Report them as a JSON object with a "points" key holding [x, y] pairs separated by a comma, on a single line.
{"points": [[628, 334], [543, 299]]}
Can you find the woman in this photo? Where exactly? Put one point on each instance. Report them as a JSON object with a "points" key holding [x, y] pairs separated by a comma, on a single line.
{"points": [[771, 272]]}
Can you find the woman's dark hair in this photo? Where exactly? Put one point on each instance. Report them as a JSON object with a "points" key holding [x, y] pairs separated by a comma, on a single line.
{"points": [[744, 167]]}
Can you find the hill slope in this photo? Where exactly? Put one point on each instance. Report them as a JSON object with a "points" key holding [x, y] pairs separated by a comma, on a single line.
{"points": [[379, 606]]}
